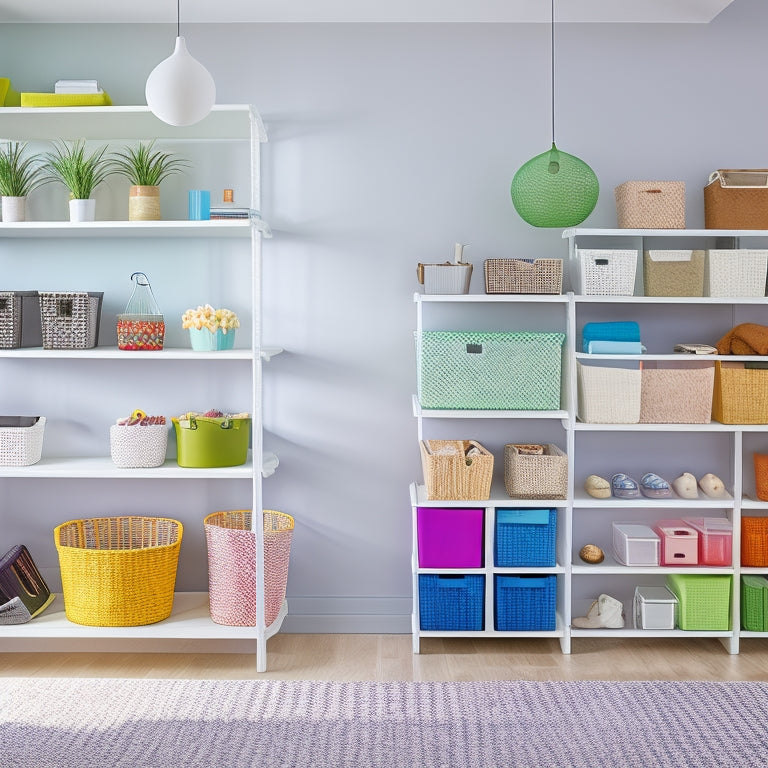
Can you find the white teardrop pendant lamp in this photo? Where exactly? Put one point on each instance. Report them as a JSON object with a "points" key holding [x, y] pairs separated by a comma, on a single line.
{"points": [[554, 189], [180, 90]]}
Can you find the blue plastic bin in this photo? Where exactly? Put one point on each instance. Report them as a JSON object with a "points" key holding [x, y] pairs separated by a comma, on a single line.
{"points": [[451, 601], [525, 537], [525, 602]]}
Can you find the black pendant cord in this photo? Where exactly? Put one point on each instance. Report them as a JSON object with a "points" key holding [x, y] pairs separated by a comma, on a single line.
{"points": [[178, 18], [552, 45]]}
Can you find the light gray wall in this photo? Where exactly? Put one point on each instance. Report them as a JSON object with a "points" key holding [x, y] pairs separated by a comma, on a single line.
{"points": [[388, 144]]}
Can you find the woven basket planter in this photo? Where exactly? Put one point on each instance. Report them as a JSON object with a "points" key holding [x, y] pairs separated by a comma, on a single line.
{"points": [[452, 472], [232, 565], [681, 395], [21, 440], [118, 571], [536, 476]]}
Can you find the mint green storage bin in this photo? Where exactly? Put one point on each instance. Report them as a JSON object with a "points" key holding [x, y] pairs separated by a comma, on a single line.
{"points": [[476, 370], [204, 441]]}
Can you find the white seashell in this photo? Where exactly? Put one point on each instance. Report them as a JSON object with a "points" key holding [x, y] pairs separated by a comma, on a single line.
{"points": [[685, 486], [712, 485]]}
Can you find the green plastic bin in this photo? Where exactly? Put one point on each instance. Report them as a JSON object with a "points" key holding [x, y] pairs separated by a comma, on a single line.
{"points": [[204, 441]]}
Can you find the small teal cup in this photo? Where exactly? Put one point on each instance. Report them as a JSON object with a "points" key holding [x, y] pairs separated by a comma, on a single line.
{"points": [[199, 204]]}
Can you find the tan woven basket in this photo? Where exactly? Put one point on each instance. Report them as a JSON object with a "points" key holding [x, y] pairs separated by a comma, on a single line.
{"points": [[451, 472], [736, 199], [677, 395], [651, 204], [740, 394], [523, 275], [536, 476], [673, 273]]}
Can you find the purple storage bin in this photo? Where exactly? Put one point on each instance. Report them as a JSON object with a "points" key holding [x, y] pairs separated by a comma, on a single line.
{"points": [[450, 537]]}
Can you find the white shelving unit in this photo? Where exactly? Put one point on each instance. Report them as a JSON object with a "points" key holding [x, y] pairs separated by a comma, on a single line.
{"points": [[603, 449], [81, 392]]}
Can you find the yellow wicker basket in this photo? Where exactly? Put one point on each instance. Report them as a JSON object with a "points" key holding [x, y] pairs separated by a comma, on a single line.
{"points": [[740, 394], [118, 571]]}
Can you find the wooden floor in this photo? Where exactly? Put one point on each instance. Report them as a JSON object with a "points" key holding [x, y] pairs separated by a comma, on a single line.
{"points": [[389, 657]]}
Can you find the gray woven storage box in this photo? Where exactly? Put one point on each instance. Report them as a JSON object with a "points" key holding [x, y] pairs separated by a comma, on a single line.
{"points": [[489, 370], [19, 319], [70, 319]]}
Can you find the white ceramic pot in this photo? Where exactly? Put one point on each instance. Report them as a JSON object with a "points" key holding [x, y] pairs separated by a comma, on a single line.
{"points": [[14, 208], [82, 210]]}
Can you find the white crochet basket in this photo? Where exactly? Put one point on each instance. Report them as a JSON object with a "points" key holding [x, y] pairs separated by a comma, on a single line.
{"points": [[138, 446], [608, 395], [604, 272], [735, 272], [21, 440]]}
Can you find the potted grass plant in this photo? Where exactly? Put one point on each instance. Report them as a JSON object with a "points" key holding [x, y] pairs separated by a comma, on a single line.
{"points": [[81, 173], [145, 168], [20, 173]]}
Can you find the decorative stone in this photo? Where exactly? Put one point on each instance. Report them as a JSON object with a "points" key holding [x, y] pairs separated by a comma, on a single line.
{"points": [[591, 553]]}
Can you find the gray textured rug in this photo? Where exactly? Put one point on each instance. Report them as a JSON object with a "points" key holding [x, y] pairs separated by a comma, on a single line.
{"points": [[103, 723]]}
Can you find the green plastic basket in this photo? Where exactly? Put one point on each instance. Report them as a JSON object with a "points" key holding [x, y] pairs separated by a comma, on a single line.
{"points": [[204, 441], [488, 370], [704, 602], [754, 603]]}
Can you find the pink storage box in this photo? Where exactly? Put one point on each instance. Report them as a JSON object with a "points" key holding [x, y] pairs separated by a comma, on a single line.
{"points": [[679, 542], [450, 537], [715, 539]]}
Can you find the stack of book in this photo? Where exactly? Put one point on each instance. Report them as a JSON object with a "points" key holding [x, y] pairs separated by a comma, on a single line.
{"points": [[232, 212], [69, 93], [77, 86]]}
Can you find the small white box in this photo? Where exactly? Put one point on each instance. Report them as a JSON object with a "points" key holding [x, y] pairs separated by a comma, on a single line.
{"points": [[448, 278], [635, 544], [655, 608]]}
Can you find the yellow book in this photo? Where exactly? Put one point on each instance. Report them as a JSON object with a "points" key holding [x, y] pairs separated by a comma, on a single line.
{"points": [[65, 99]]}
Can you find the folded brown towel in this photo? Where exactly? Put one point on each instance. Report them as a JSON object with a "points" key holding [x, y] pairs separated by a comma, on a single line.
{"points": [[744, 339]]}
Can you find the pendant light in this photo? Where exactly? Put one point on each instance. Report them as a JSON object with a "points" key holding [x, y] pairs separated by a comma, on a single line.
{"points": [[554, 189], [180, 90]]}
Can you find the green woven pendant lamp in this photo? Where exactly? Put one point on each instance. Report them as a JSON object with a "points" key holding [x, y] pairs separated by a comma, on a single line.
{"points": [[554, 189]]}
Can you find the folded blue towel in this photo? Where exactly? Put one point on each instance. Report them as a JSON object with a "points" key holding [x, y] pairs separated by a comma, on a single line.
{"points": [[615, 348]]}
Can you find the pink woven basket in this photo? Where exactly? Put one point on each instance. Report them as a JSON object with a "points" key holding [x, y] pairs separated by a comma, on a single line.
{"points": [[232, 565]]}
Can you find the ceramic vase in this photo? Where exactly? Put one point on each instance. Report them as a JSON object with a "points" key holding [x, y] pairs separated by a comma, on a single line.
{"points": [[14, 209], [82, 210]]}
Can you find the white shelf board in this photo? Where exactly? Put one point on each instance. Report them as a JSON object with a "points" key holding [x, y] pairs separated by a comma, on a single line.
{"points": [[677, 300], [714, 426], [215, 228], [189, 620], [632, 632], [499, 498], [612, 568], [587, 232], [160, 355], [458, 413], [103, 467], [225, 122], [582, 500], [498, 298]]}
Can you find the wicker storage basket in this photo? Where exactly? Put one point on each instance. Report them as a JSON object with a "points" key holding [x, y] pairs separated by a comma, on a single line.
{"points": [[23, 591], [525, 603], [21, 440], [486, 370], [451, 601], [232, 565], [608, 395], [735, 272], [523, 275], [525, 537], [736, 199], [673, 273], [704, 601], [70, 319], [651, 204], [677, 394], [754, 603], [754, 541], [138, 446], [605, 272], [118, 571], [19, 319], [760, 461], [451, 472], [535, 476], [740, 394]]}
